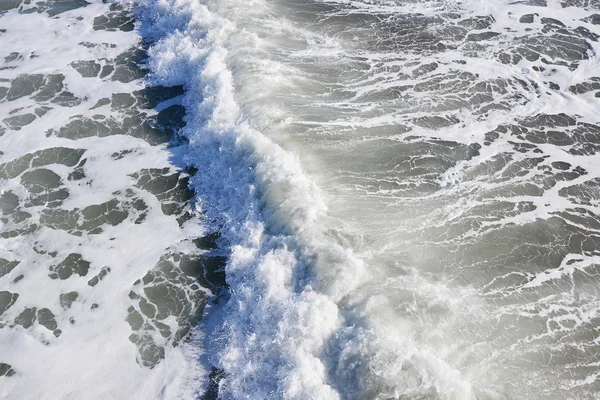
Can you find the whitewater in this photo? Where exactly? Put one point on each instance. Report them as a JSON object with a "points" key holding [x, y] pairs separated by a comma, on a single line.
{"points": [[285, 199]]}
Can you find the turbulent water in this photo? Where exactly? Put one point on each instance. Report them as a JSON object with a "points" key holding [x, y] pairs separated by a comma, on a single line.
{"points": [[286, 199]]}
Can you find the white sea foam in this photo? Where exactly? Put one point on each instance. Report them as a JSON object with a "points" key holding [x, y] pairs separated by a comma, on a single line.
{"points": [[92, 357], [284, 270]]}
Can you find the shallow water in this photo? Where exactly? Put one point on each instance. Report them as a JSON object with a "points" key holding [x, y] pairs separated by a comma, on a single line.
{"points": [[101, 256], [401, 196]]}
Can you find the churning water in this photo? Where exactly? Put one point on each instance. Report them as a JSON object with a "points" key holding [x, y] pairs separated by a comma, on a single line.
{"points": [[300, 199]]}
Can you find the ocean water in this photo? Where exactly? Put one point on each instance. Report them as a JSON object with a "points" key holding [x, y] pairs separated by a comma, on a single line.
{"points": [[285, 199]]}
